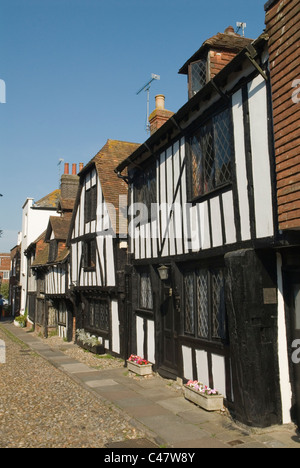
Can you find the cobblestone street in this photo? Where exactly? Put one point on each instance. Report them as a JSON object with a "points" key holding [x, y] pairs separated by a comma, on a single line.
{"points": [[42, 407]]}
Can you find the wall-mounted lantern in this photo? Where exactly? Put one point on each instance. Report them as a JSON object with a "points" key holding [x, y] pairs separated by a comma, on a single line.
{"points": [[163, 272]]}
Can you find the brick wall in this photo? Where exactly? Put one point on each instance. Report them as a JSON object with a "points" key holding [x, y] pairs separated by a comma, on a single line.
{"points": [[218, 60], [282, 22], [4, 267]]}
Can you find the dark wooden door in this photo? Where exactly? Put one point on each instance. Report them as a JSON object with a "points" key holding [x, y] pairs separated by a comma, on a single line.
{"points": [[168, 362]]}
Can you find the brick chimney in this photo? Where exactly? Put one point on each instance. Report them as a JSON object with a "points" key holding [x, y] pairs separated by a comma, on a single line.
{"points": [[69, 182], [160, 115]]}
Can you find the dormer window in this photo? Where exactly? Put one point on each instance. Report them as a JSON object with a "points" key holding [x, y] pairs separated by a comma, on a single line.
{"points": [[53, 250], [197, 76], [214, 54]]}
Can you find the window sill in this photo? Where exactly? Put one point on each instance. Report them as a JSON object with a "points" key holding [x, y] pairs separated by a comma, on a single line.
{"points": [[203, 343], [206, 196], [147, 313]]}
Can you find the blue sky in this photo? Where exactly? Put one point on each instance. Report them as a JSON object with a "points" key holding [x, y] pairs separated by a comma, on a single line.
{"points": [[72, 69]]}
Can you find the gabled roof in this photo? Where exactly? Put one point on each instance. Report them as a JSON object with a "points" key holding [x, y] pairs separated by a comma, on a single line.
{"points": [[66, 204], [228, 40], [42, 256], [49, 201], [105, 162], [59, 226]]}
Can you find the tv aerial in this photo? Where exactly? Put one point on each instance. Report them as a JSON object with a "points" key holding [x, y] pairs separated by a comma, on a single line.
{"points": [[146, 88], [241, 26], [61, 160]]}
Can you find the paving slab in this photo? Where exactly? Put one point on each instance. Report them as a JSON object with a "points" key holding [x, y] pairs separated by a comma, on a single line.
{"points": [[77, 368], [115, 396], [170, 428], [175, 405], [138, 412], [102, 383], [155, 393]]}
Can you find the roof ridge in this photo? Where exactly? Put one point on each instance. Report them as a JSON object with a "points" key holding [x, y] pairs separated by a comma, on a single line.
{"points": [[55, 194]]}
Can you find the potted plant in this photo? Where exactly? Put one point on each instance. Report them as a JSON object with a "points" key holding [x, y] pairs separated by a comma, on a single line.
{"points": [[20, 321], [139, 365], [203, 396], [88, 342]]}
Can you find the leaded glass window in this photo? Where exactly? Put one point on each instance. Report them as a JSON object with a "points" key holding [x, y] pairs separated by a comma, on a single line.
{"points": [[218, 304], [189, 303], [99, 315], [62, 313], [146, 294], [197, 76], [145, 189], [211, 154], [223, 147], [204, 304]]}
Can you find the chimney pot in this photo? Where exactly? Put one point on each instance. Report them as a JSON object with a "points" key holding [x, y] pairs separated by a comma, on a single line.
{"points": [[229, 30], [81, 166], [66, 168], [74, 169], [160, 101]]}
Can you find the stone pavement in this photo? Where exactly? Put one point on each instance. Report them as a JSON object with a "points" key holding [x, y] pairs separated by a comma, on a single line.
{"points": [[157, 407]]}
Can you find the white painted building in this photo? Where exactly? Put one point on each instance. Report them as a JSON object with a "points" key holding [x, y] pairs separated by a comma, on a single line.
{"points": [[35, 218]]}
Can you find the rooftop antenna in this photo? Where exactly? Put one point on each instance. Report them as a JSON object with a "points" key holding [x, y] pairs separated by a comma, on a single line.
{"points": [[146, 87], [59, 168], [241, 26]]}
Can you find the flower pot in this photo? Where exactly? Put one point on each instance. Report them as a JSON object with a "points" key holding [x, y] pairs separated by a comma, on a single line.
{"points": [[94, 349], [207, 402], [19, 324], [139, 369]]}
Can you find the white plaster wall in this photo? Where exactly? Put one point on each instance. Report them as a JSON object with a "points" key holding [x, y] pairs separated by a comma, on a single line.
{"points": [[202, 367], [140, 336], [219, 374], [260, 157], [115, 327], [187, 363], [151, 341]]}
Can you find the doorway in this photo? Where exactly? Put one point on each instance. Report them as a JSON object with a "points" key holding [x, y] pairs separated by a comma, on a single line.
{"points": [[169, 338]]}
